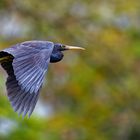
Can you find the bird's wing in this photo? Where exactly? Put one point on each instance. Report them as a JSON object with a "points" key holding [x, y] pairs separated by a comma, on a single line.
{"points": [[21, 101], [29, 66]]}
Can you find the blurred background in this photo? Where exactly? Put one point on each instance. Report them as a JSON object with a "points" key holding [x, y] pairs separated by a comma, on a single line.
{"points": [[89, 95]]}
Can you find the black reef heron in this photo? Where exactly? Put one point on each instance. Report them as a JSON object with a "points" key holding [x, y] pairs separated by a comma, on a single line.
{"points": [[26, 64]]}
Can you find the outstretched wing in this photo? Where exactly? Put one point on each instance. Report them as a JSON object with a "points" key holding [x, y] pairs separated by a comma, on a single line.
{"points": [[22, 101], [26, 73]]}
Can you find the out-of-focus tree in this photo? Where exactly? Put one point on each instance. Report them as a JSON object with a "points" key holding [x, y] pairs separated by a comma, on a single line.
{"points": [[91, 95]]}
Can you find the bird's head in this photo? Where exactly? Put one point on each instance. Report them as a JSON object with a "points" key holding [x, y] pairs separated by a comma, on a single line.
{"points": [[57, 53]]}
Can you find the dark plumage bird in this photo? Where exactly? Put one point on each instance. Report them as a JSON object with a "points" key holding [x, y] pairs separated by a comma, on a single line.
{"points": [[26, 64]]}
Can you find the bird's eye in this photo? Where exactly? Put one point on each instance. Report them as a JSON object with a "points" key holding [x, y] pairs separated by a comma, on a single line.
{"points": [[59, 47], [62, 46]]}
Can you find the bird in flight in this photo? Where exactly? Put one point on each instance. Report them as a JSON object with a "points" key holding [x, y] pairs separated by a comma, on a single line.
{"points": [[26, 64]]}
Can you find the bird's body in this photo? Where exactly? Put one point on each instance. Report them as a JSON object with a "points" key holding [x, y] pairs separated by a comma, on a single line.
{"points": [[26, 64]]}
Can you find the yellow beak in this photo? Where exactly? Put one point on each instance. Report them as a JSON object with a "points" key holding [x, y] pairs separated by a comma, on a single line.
{"points": [[73, 48]]}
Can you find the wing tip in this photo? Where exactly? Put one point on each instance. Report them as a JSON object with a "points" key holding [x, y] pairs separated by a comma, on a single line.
{"points": [[22, 102]]}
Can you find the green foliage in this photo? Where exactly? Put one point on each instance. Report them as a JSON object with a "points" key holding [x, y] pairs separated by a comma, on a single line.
{"points": [[92, 95]]}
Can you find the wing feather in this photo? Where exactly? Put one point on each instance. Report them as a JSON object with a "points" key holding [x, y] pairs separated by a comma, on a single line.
{"points": [[26, 73]]}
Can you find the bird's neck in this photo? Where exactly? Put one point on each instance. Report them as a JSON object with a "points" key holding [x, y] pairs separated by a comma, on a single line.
{"points": [[56, 57]]}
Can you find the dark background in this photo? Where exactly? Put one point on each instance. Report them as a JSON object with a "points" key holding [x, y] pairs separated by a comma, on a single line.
{"points": [[89, 95]]}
